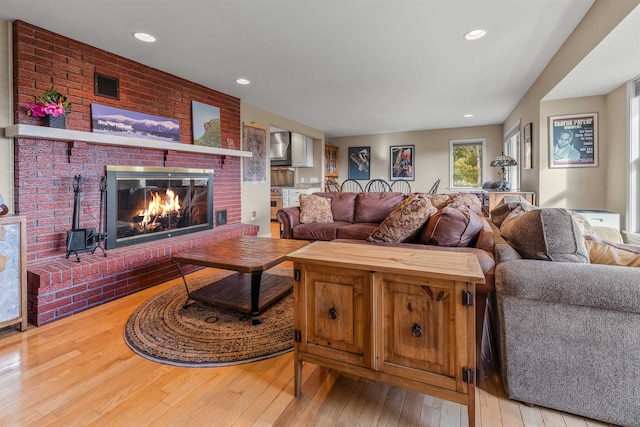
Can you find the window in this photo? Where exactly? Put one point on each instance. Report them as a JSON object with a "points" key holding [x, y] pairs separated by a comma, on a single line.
{"points": [[467, 158], [633, 199], [512, 149]]}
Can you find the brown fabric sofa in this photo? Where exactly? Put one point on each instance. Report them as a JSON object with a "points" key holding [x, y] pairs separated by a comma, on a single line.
{"points": [[357, 215]]}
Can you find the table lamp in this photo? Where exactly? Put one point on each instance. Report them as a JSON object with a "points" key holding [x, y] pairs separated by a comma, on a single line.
{"points": [[503, 162]]}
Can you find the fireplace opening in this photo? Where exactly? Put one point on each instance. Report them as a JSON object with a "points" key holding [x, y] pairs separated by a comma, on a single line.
{"points": [[145, 204]]}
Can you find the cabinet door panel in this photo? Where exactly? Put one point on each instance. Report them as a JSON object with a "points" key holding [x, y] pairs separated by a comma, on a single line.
{"points": [[419, 327], [337, 313]]}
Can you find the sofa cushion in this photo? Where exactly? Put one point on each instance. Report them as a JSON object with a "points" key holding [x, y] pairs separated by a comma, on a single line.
{"points": [[470, 200], [613, 254], [405, 220], [317, 231], [453, 225], [315, 209], [546, 234], [374, 207], [356, 231], [342, 205]]}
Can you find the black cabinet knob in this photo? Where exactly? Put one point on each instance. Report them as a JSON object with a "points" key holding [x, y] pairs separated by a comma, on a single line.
{"points": [[416, 331], [332, 313]]}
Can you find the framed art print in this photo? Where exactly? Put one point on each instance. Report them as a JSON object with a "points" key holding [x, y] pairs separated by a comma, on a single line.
{"points": [[573, 141], [401, 163], [359, 163]]}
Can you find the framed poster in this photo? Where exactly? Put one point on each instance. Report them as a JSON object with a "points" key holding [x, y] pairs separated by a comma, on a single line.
{"points": [[401, 163], [528, 154], [573, 141], [359, 162]]}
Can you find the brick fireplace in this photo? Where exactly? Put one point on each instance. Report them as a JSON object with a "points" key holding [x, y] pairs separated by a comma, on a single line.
{"points": [[45, 170]]}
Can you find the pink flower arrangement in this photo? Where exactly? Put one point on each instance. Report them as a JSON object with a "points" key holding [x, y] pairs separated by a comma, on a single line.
{"points": [[51, 102]]}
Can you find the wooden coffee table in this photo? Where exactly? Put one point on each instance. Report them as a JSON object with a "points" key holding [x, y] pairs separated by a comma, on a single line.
{"points": [[250, 256]]}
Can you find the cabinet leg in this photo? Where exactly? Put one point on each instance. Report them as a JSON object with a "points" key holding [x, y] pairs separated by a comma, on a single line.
{"points": [[297, 376]]}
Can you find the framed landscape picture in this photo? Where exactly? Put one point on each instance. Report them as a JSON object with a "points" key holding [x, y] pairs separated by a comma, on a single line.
{"points": [[121, 122], [401, 163], [206, 125], [573, 141], [359, 162]]}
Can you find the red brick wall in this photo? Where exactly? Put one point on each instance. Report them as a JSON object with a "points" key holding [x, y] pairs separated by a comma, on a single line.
{"points": [[45, 169]]}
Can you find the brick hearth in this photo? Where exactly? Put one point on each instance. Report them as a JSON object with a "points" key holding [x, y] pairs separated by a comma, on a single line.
{"points": [[61, 287], [45, 170]]}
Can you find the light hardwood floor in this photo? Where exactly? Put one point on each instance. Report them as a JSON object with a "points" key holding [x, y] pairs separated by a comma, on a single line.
{"points": [[78, 371]]}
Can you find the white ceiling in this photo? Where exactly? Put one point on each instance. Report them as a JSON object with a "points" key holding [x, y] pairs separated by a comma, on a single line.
{"points": [[346, 67]]}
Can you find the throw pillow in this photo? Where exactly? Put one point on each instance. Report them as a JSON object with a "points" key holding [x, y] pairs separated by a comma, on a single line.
{"points": [[601, 252], [315, 209], [470, 200], [504, 210], [404, 221], [547, 234], [585, 228], [453, 225]]}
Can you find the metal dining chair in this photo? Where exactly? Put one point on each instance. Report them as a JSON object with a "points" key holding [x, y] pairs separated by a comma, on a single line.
{"points": [[401, 186], [331, 186], [434, 187], [377, 186], [352, 186]]}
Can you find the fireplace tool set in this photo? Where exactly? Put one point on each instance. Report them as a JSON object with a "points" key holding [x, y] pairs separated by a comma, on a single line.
{"points": [[86, 239]]}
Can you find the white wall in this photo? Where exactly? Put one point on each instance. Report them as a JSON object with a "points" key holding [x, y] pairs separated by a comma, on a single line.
{"points": [[256, 197], [586, 188], [431, 153], [6, 144]]}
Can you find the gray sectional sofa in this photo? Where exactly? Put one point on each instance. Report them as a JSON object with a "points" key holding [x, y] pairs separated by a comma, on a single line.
{"points": [[569, 331]]}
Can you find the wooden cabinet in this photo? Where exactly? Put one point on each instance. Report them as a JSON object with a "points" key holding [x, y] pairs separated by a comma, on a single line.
{"points": [[394, 315], [301, 150], [13, 271], [331, 162]]}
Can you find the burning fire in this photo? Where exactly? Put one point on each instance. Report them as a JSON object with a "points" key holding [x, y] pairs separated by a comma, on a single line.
{"points": [[159, 208]]}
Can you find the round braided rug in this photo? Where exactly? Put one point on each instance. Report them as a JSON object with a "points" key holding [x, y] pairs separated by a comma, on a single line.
{"points": [[204, 336]]}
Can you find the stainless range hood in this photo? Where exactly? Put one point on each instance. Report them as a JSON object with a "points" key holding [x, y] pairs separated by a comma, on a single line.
{"points": [[280, 153]]}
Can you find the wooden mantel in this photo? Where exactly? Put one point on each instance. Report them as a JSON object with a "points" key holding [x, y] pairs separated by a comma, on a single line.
{"points": [[43, 132]]}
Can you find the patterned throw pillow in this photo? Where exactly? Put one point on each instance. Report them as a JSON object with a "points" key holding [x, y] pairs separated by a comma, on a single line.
{"points": [[405, 220], [548, 234], [315, 209]]}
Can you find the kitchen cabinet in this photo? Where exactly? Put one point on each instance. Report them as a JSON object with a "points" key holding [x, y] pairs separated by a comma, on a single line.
{"points": [[394, 315], [13, 271], [331, 162], [301, 151]]}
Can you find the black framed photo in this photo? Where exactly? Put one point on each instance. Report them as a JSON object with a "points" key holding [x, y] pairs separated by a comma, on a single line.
{"points": [[360, 163], [573, 141], [401, 163], [528, 153]]}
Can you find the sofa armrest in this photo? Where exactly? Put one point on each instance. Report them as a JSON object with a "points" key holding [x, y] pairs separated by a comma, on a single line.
{"points": [[289, 218], [592, 285], [485, 239]]}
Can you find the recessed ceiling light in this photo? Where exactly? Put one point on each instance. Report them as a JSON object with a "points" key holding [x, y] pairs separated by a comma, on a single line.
{"points": [[475, 34], [144, 37], [468, 115], [243, 81]]}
